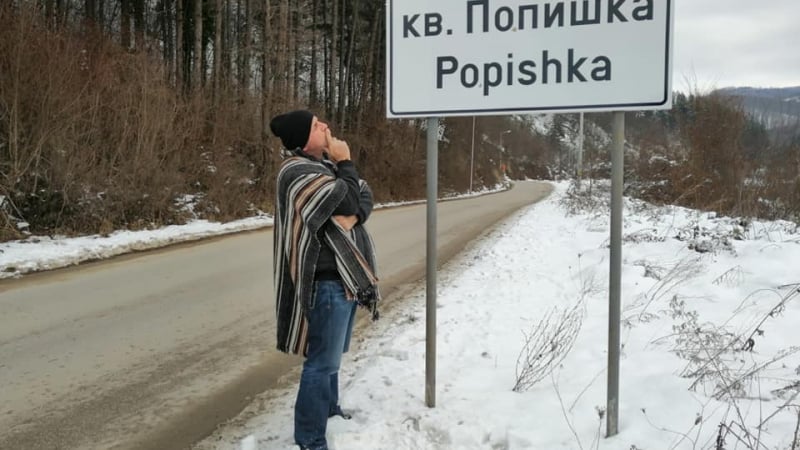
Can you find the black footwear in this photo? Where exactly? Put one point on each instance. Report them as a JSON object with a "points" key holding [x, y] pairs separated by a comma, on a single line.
{"points": [[338, 412]]}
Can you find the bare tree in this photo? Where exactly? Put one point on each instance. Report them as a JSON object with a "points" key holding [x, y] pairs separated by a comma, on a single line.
{"points": [[244, 69], [330, 99], [294, 51], [266, 73], [368, 70], [166, 24], [180, 55], [125, 23], [49, 12], [312, 88], [197, 55], [89, 13], [139, 23], [217, 50]]}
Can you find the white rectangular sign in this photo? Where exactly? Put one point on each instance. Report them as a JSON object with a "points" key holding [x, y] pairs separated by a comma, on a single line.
{"points": [[493, 57]]}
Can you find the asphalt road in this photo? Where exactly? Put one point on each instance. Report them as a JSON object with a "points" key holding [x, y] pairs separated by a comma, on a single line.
{"points": [[153, 350]]}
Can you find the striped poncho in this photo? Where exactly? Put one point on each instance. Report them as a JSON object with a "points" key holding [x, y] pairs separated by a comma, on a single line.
{"points": [[308, 192]]}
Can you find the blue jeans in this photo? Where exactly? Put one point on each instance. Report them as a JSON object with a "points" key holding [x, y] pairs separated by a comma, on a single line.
{"points": [[330, 324]]}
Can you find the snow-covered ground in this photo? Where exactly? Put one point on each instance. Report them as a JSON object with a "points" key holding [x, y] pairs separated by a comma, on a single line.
{"points": [[697, 291]]}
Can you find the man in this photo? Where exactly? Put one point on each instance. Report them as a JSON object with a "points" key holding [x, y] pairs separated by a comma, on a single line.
{"points": [[324, 263]]}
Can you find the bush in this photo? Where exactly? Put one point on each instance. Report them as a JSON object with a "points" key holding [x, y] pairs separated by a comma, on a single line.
{"points": [[94, 137]]}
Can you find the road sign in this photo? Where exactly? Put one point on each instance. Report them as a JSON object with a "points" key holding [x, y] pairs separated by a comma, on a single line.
{"points": [[493, 57]]}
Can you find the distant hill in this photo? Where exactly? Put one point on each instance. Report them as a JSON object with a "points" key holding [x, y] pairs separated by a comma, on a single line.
{"points": [[774, 107]]}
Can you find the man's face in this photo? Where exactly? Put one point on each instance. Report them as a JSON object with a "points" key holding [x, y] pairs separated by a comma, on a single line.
{"points": [[317, 138]]}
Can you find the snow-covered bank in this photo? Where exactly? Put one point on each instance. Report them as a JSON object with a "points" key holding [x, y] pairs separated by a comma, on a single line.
{"points": [[38, 253], [44, 253]]}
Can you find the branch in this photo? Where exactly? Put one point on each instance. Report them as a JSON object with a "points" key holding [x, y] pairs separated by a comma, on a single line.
{"points": [[564, 412]]}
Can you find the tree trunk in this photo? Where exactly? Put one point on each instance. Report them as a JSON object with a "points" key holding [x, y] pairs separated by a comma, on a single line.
{"points": [[325, 58], [227, 46], [297, 43], [179, 45], [347, 92], [61, 12], [369, 70], [245, 67], [48, 12], [331, 100], [312, 88], [89, 13], [139, 23], [100, 16], [237, 45], [165, 20], [204, 62], [59, 7], [340, 86], [266, 73], [225, 14], [283, 51], [379, 78], [217, 49], [232, 24], [125, 25], [197, 56]]}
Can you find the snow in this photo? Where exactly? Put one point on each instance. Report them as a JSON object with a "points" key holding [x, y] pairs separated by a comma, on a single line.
{"points": [[45, 253], [683, 271], [541, 123], [694, 285]]}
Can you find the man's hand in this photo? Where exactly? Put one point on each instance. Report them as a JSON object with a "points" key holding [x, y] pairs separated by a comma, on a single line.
{"points": [[338, 150], [346, 222]]}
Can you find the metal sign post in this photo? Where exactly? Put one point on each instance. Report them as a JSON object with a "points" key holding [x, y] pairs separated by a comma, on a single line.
{"points": [[615, 274], [430, 275]]}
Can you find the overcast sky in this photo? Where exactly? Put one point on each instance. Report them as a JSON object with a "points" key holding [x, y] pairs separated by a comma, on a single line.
{"points": [[720, 43]]}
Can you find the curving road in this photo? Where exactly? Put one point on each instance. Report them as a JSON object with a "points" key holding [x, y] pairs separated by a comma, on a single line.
{"points": [[154, 350]]}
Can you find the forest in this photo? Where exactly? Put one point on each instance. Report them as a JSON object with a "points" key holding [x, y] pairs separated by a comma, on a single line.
{"points": [[132, 114]]}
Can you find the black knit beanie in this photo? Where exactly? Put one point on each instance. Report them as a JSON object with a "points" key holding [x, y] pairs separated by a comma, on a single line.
{"points": [[293, 128]]}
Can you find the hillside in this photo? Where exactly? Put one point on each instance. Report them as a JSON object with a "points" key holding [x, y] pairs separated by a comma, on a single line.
{"points": [[774, 107]]}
